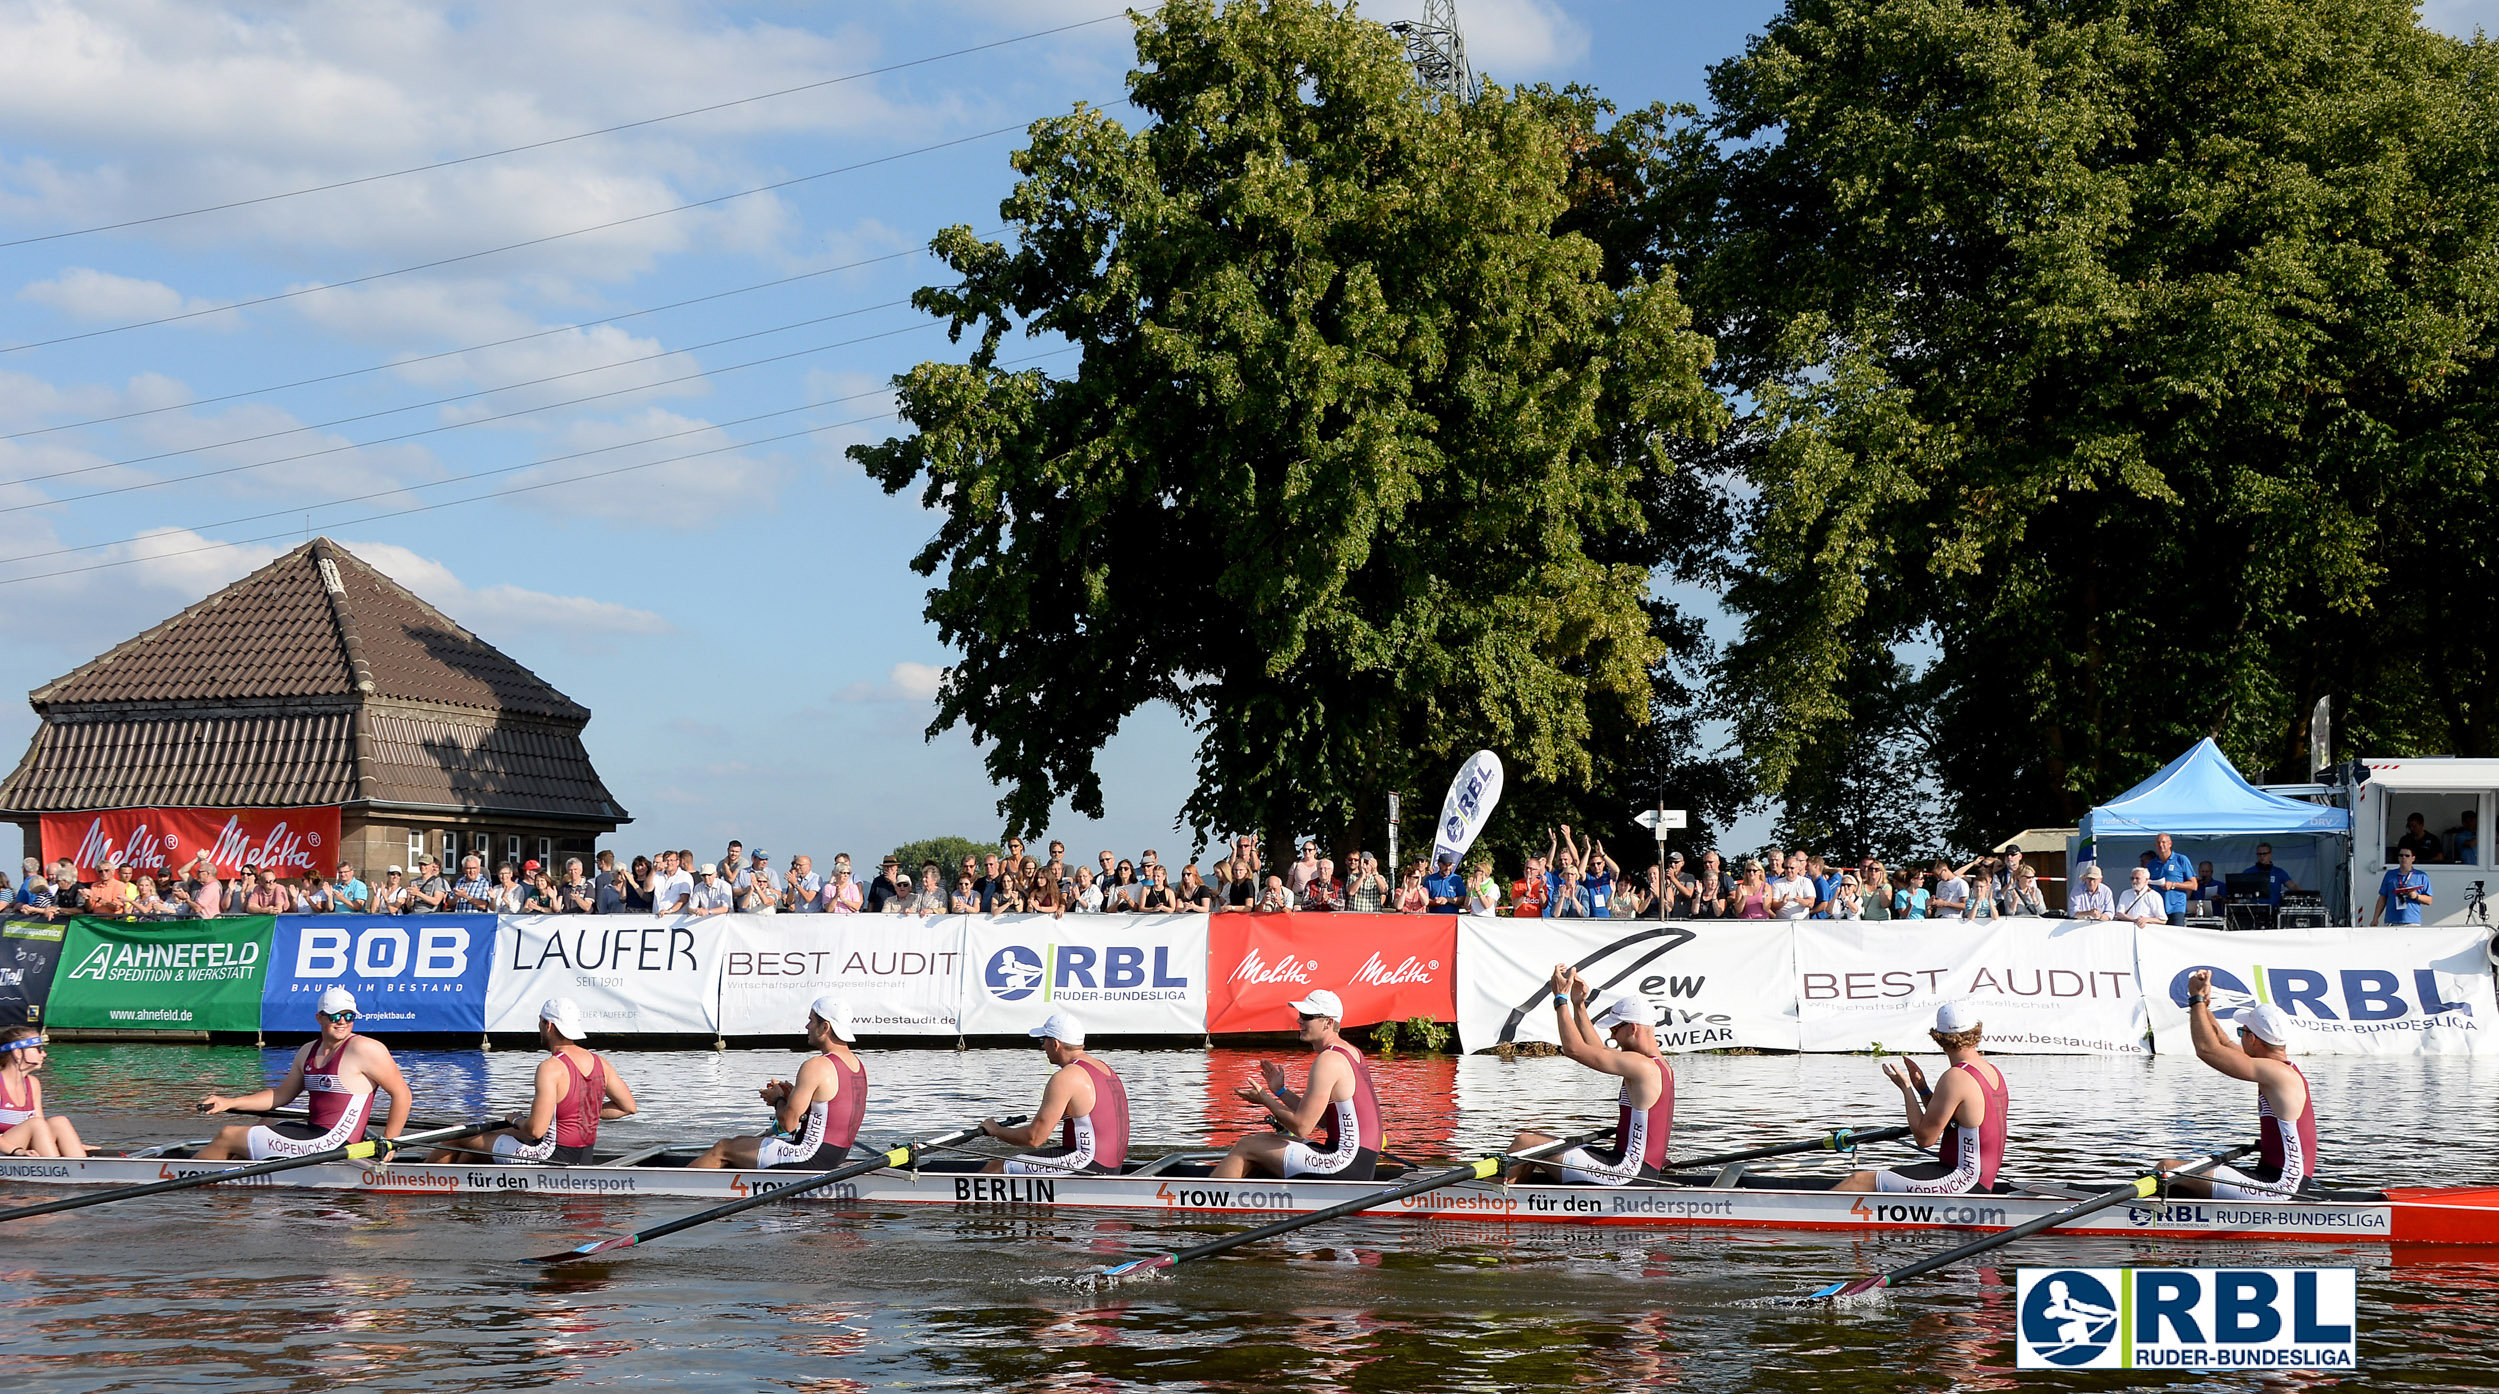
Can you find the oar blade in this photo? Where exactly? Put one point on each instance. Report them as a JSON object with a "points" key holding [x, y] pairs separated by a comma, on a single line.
{"points": [[583, 1251]]}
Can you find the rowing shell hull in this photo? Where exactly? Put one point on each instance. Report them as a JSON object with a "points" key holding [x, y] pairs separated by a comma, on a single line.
{"points": [[2425, 1215]]}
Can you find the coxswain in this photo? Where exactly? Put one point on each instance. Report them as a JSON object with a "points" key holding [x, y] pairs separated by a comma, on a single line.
{"points": [[1644, 1109], [818, 1112], [1332, 1126], [576, 1091], [2286, 1111], [1966, 1111], [337, 1073], [1084, 1103], [24, 1131]]}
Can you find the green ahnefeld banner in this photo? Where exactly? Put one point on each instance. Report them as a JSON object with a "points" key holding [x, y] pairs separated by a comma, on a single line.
{"points": [[183, 976]]}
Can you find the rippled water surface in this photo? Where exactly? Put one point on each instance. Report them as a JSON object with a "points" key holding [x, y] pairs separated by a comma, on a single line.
{"points": [[211, 1291]]}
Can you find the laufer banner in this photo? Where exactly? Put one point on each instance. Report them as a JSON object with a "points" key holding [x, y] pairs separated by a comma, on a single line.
{"points": [[1385, 967], [900, 976], [2043, 987], [2348, 991], [632, 974], [155, 841], [1120, 975], [29, 951], [1711, 984], [409, 972], [183, 976]]}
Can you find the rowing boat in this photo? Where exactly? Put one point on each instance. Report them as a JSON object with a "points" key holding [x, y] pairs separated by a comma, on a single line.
{"points": [[2408, 1215]]}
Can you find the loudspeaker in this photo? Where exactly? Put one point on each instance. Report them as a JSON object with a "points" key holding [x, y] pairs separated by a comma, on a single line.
{"points": [[2256, 916], [2301, 917]]}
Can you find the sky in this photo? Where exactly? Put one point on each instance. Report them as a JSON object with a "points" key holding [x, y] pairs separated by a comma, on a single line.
{"points": [[651, 510]]}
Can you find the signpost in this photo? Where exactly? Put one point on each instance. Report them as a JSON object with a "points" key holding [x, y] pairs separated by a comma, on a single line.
{"points": [[1657, 820], [1392, 842]]}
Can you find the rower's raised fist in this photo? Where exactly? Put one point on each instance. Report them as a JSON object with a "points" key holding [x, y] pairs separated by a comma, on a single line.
{"points": [[2199, 982]]}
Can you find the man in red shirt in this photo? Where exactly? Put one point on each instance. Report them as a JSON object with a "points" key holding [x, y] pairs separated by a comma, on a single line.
{"points": [[1527, 894]]}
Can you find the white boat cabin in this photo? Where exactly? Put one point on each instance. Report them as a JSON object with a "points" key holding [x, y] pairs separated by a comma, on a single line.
{"points": [[2441, 807]]}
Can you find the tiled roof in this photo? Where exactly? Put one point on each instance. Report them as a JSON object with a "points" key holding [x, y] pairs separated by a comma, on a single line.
{"points": [[287, 631], [232, 761], [419, 760]]}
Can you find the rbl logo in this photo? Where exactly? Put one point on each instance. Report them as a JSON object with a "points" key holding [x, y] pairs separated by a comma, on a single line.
{"points": [[2353, 994], [1016, 971]]}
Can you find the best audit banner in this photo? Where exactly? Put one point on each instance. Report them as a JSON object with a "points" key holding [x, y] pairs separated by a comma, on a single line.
{"points": [[901, 976], [2349, 991], [2043, 987], [1711, 984], [1385, 967], [632, 974], [1117, 974], [409, 973], [178, 976], [156, 841]]}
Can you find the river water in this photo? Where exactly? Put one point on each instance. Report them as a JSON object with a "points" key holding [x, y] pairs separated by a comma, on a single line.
{"points": [[212, 1292]]}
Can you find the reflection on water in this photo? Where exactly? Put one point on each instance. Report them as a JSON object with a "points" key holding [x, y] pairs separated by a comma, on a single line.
{"points": [[217, 1291]]}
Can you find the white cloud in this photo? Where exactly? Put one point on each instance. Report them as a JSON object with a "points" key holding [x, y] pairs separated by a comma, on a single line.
{"points": [[904, 682], [85, 603], [84, 293], [505, 608]]}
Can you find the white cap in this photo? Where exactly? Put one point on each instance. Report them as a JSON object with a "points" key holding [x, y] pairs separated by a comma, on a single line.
{"points": [[2269, 1023], [1953, 1018], [1623, 1009], [1321, 1003], [1061, 1027], [565, 1015], [2091, 871], [336, 999], [710, 870], [834, 1012]]}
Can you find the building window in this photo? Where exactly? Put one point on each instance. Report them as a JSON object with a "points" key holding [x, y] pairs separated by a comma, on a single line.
{"points": [[451, 849], [416, 849], [546, 851], [483, 844]]}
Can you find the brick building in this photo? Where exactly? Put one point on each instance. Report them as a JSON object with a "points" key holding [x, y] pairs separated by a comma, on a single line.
{"points": [[318, 683]]}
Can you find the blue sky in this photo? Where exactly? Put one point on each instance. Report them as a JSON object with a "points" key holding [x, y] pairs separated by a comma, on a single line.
{"points": [[742, 622]]}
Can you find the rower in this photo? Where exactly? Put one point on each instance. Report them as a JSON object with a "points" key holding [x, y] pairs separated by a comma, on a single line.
{"points": [[1967, 1111], [1337, 1108], [1644, 1108], [576, 1091], [337, 1073], [24, 1131], [818, 1112], [1084, 1103], [2286, 1112]]}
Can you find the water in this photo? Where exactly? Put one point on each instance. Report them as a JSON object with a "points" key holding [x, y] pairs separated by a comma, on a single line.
{"points": [[211, 1291]]}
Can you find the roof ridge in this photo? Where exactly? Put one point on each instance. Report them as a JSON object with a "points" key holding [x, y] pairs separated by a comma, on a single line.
{"points": [[344, 604]]}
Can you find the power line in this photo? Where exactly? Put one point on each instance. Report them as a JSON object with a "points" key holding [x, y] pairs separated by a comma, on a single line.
{"points": [[562, 140], [198, 475], [516, 246], [457, 397]]}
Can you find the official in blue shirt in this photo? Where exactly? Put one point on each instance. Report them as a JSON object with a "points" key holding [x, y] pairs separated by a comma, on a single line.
{"points": [[2402, 893], [1446, 888], [1826, 879], [2276, 879], [2173, 876]]}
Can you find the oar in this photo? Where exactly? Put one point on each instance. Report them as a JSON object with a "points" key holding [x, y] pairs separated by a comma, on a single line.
{"points": [[2142, 1188], [1836, 1140], [352, 1151], [900, 1156], [1481, 1169]]}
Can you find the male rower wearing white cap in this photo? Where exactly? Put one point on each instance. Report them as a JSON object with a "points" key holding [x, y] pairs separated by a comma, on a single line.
{"points": [[1334, 1123], [1644, 1109], [2286, 1112], [1966, 1111], [1084, 1103], [576, 1091], [337, 1073], [818, 1112]]}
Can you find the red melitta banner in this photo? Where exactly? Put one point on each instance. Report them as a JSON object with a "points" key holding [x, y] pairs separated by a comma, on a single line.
{"points": [[155, 841], [1385, 967]]}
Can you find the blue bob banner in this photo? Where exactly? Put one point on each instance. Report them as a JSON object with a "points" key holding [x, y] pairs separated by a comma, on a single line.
{"points": [[409, 972]]}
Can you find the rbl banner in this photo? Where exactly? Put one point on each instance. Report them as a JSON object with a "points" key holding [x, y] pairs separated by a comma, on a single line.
{"points": [[1385, 967], [156, 841]]}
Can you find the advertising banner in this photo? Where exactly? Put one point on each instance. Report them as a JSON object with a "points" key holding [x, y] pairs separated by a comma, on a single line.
{"points": [[901, 975], [29, 951], [1124, 975], [154, 841], [1714, 984], [409, 973], [2042, 987], [186, 975], [632, 974], [1385, 967], [2349, 991]]}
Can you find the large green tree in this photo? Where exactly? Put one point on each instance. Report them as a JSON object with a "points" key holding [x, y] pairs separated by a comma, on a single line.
{"points": [[1351, 463], [2128, 361]]}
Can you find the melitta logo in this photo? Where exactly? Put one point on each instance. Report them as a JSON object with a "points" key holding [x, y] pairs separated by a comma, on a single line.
{"points": [[1412, 970], [279, 851], [2351, 995], [144, 852], [1014, 973], [1290, 969]]}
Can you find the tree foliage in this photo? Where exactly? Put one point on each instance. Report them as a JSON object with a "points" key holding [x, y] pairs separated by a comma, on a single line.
{"points": [[1353, 463], [947, 852]]}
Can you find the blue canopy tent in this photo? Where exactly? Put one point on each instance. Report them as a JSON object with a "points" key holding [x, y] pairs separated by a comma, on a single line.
{"points": [[2213, 814]]}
